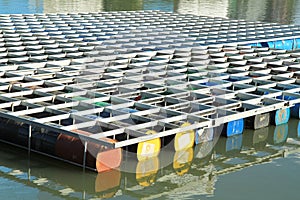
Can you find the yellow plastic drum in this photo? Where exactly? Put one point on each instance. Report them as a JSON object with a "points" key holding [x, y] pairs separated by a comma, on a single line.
{"points": [[184, 140], [183, 160], [148, 149], [146, 171]]}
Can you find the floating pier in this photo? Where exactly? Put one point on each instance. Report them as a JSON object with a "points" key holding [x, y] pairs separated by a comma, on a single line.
{"points": [[79, 87], [208, 162]]}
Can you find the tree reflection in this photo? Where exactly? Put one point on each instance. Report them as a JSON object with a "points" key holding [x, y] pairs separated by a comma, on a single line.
{"points": [[263, 10], [120, 5]]}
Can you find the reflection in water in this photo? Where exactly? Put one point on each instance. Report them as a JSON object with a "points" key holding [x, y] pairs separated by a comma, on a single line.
{"points": [[21, 6], [297, 13], [165, 5], [183, 160], [146, 171], [185, 173], [280, 134], [117, 5], [51, 6], [260, 136], [262, 10], [58, 180], [107, 183], [244, 9], [281, 11], [215, 8]]}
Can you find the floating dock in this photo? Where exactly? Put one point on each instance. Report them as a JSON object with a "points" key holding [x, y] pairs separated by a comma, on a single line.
{"points": [[208, 161], [79, 87]]}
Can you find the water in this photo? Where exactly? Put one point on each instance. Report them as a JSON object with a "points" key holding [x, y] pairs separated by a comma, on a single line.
{"points": [[258, 164]]}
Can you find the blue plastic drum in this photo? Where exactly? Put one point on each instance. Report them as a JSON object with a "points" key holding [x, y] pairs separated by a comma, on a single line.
{"points": [[235, 127], [271, 44], [288, 44], [209, 83], [128, 110], [94, 117], [278, 44], [297, 45], [282, 116], [295, 111]]}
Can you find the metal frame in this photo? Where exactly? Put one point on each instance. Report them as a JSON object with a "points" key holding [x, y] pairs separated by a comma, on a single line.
{"points": [[134, 78]]}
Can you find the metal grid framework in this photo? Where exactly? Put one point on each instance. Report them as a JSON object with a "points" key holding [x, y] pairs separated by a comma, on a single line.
{"points": [[122, 74], [127, 96], [35, 37]]}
